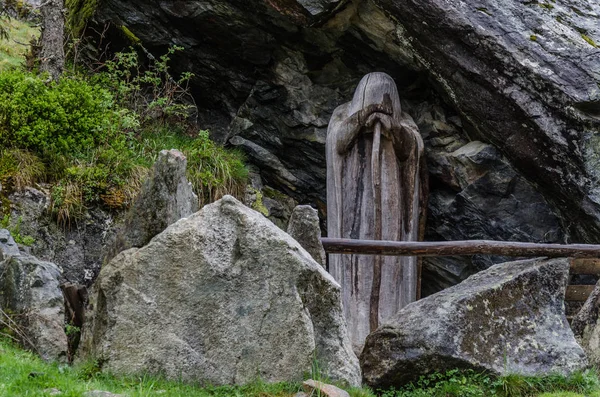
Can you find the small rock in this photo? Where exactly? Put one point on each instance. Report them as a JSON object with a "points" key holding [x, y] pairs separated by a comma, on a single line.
{"points": [[8, 247], [53, 392], [314, 387], [100, 393], [165, 198], [304, 228]]}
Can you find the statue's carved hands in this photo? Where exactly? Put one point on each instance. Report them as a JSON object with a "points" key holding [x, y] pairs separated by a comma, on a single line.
{"points": [[388, 123], [377, 108]]}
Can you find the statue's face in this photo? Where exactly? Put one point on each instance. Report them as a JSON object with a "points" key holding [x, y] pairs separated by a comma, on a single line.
{"points": [[376, 88]]}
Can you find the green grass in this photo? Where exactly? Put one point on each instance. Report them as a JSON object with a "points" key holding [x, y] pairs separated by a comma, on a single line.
{"points": [[24, 374], [456, 383], [13, 49]]}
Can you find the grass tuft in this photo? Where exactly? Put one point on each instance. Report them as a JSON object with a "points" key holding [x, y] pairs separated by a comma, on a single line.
{"points": [[20, 168]]}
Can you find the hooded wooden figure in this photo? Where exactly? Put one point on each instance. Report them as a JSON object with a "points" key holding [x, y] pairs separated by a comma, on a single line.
{"points": [[376, 190]]}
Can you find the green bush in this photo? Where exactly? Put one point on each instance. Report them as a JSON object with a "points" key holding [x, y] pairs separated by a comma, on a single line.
{"points": [[95, 138], [65, 117]]}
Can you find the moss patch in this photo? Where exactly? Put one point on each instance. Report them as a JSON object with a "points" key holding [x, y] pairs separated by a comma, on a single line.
{"points": [[14, 49], [79, 13]]}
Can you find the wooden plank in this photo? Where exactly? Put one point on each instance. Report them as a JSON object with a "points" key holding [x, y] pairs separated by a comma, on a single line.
{"points": [[585, 266], [578, 293], [450, 248]]}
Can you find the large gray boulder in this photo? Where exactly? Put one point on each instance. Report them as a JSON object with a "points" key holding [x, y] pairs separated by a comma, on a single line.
{"points": [[507, 319], [166, 197], [32, 302], [223, 296], [586, 329]]}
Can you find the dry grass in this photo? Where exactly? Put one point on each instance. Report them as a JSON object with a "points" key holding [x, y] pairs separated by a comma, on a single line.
{"points": [[20, 168], [14, 49]]}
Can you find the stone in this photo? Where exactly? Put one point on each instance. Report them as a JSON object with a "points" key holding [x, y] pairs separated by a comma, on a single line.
{"points": [[507, 319], [513, 87], [585, 326], [77, 247], [101, 393], [30, 294], [222, 296], [304, 228], [8, 247], [478, 196], [313, 387], [166, 197]]}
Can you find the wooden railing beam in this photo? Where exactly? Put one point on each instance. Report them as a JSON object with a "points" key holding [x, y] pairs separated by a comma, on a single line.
{"points": [[451, 248]]}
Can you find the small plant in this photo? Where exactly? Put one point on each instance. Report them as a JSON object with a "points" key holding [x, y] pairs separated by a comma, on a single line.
{"points": [[153, 93], [72, 330], [15, 231]]}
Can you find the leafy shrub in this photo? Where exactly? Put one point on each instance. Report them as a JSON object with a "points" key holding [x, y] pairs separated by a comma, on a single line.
{"points": [[94, 138], [65, 117], [151, 91]]}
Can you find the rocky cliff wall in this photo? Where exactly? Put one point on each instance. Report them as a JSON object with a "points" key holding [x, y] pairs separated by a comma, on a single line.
{"points": [[506, 95]]}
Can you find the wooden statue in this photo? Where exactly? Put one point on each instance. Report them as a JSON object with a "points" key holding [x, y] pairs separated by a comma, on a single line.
{"points": [[376, 190]]}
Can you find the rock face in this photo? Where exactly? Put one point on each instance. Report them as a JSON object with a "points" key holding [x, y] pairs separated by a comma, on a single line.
{"points": [[31, 297], [77, 248], [222, 296], [478, 195], [304, 228], [507, 319], [585, 326], [166, 197], [525, 77], [520, 77]]}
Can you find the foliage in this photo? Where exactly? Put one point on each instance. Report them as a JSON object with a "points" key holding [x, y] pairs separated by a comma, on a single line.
{"points": [[469, 383], [16, 366], [213, 170], [94, 138], [20, 168], [65, 117], [152, 92], [78, 14], [15, 230]]}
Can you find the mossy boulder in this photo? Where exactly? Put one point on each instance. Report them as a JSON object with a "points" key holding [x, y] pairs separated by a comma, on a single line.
{"points": [[507, 319]]}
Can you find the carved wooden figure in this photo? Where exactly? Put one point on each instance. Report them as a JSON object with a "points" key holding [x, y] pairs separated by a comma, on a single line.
{"points": [[376, 189]]}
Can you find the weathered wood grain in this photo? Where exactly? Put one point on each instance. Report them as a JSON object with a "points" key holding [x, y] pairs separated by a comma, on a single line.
{"points": [[375, 187], [585, 266], [451, 248], [578, 293]]}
